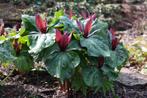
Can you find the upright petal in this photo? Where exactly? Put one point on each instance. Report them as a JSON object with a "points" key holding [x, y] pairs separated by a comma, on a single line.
{"points": [[88, 27], [84, 14], [93, 16], [66, 40], [69, 38], [80, 26], [101, 60], [58, 35], [112, 30], [17, 46], [70, 14], [63, 40], [41, 24], [114, 43]]}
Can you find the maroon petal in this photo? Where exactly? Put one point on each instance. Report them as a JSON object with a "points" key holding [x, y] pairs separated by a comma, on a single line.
{"points": [[88, 27], [112, 30], [69, 38], [114, 43], [58, 36], [17, 46], [100, 61], [84, 14], [70, 14], [79, 25], [41, 24], [93, 16], [64, 41]]}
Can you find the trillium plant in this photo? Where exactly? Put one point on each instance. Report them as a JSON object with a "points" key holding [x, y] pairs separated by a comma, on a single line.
{"points": [[81, 52]]}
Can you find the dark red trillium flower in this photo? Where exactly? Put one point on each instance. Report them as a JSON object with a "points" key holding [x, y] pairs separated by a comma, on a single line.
{"points": [[63, 40], [17, 46], [100, 61], [85, 29], [115, 41], [41, 24]]}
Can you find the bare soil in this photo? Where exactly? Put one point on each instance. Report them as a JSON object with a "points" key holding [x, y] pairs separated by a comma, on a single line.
{"points": [[41, 85]]}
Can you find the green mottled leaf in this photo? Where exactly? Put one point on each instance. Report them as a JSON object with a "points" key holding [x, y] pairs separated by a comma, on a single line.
{"points": [[95, 46], [74, 45], [118, 57], [6, 52], [122, 54], [24, 62], [29, 24], [92, 77], [62, 64], [2, 39], [40, 41]]}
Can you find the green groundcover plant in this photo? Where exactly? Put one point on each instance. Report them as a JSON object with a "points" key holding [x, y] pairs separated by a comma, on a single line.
{"points": [[81, 52]]}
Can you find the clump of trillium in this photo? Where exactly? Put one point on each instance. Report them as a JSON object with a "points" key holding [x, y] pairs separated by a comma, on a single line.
{"points": [[63, 40], [41, 24]]}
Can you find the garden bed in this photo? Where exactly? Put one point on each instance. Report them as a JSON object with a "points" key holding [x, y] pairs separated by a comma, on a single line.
{"points": [[41, 85]]}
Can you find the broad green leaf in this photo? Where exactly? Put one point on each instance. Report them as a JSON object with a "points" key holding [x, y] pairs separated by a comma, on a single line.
{"points": [[24, 62], [2, 39], [74, 45], [66, 24], [78, 84], [59, 13], [118, 57], [6, 52], [62, 64], [107, 69], [42, 56], [22, 31], [92, 77], [56, 17], [99, 28], [24, 40], [40, 41], [29, 24], [122, 54], [112, 60], [95, 46]]}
